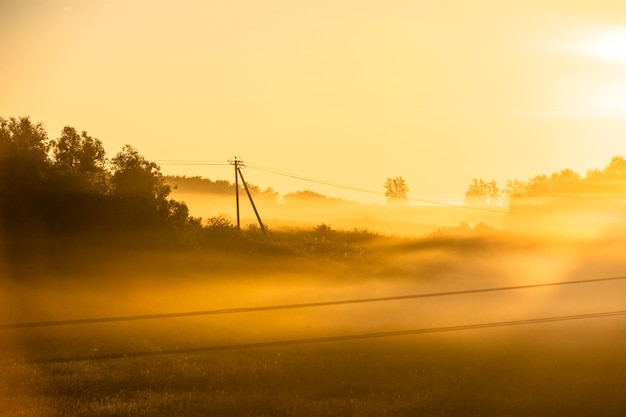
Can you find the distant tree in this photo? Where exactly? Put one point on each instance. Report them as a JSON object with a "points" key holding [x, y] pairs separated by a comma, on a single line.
{"points": [[396, 190], [267, 195], [200, 185], [482, 193], [594, 175], [611, 179], [304, 196], [565, 182], [514, 192], [539, 186], [616, 169], [515, 188]]}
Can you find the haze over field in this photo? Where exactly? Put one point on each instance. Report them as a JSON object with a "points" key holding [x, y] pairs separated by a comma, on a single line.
{"points": [[115, 298], [441, 195]]}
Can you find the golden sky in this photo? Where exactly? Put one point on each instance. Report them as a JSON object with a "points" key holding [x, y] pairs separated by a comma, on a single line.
{"points": [[349, 91]]}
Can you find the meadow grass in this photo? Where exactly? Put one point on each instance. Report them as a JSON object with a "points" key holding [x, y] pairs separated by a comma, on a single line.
{"points": [[563, 369], [573, 369]]}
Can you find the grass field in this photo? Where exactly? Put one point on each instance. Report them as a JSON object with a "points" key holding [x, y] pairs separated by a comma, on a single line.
{"points": [[524, 372], [572, 368]]}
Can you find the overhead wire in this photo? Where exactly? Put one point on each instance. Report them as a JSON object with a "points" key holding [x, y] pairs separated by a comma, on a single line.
{"points": [[335, 339], [112, 319], [368, 191], [326, 339], [325, 182]]}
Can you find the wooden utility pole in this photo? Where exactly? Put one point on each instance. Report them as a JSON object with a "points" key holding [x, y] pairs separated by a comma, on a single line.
{"points": [[238, 163]]}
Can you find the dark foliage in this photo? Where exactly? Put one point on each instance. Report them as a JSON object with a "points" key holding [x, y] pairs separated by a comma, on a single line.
{"points": [[54, 190]]}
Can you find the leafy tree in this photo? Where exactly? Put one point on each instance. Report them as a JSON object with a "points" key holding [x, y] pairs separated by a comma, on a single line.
{"points": [[482, 193], [24, 169], [539, 186], [396, 190], [67, 187], [23, 151], [21, 139], [616, 169], [141, 192], [515, 188], [267, 195], [78, 153], [82, 158], [140, 189], [565, 181], [514, 192], [133, 175]]}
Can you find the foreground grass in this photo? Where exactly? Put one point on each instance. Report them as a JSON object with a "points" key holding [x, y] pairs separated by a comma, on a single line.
{"points": [[573, 369], [529, 371]]}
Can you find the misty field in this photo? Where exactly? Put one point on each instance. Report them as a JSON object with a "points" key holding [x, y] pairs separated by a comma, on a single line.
{"points": [[574, 368]]}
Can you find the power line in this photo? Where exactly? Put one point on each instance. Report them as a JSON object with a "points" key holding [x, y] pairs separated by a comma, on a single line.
{"points": [[364, 190], [329, 183], [341, 338], [113, 319]]}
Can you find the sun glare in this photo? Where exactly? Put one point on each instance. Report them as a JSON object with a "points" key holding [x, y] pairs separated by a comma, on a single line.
{"points": [[608, 45]]}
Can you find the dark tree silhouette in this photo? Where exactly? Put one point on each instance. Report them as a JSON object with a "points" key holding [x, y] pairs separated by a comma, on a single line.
{"points": [[81, 156], [136, 176], [139, 188], [24, 169]]}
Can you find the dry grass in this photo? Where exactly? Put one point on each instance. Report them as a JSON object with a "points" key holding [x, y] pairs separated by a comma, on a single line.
{"points": [[573, 369], [489, 374]]}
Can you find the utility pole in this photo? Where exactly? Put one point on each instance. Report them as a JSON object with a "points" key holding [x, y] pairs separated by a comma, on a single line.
{"points": [[238, 163]]}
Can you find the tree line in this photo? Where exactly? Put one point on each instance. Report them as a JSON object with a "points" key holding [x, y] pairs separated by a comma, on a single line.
{"points": [[595, 187], [68, 186], [197, 184]]}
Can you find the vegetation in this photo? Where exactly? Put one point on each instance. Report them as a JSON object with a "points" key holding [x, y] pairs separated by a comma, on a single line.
{"points": [[54, 189], [396, 190], [409, 377], [55, 192], [88, 236], [569, 368], [219, 187], [483, 194], [597, 184]]}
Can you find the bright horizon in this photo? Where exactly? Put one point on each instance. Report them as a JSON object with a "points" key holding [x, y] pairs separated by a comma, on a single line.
{"points": [[346, 91]]}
